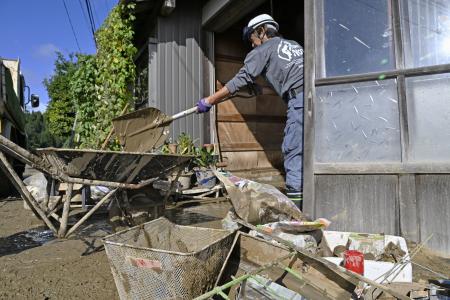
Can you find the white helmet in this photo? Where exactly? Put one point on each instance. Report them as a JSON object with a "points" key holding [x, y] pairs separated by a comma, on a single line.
{"points": [[256, 22]]}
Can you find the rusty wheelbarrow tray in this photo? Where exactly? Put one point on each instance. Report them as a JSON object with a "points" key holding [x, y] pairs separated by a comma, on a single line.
{"points": [[116, 170]]}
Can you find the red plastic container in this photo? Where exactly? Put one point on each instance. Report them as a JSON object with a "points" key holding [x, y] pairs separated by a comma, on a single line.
{"points": [[354, 261]]}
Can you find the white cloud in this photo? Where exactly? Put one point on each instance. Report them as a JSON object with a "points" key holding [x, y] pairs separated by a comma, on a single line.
{"points": [[46, 50]]}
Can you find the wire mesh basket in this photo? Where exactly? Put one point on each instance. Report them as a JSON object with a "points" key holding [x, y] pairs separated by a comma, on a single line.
{"points": [[162, 260]]}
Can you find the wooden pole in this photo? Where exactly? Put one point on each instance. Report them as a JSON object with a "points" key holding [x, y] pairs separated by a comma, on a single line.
{"points": [[23, 154], [89, 213], [48, 192], [21, 188], [65, 213], [105, 143]]}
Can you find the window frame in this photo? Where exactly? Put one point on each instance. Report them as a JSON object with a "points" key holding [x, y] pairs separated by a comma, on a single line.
{"points": [[400, 73]]}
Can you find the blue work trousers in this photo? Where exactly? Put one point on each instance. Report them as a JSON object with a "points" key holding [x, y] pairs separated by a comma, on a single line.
{"points": [[292, 147]]}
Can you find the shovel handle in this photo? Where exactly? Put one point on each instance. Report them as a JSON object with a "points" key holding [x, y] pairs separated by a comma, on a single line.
{"points": [[184, 113]]}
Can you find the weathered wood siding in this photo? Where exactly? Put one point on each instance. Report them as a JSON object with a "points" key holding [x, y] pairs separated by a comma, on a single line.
{"points": [[361, 203], [250, 130]]}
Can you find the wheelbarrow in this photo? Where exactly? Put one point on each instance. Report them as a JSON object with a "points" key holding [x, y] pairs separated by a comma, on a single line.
{"points": [[130, 173]]}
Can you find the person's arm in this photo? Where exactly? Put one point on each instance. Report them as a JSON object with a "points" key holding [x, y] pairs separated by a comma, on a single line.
{"points": [[218, 96], [254, 64]]}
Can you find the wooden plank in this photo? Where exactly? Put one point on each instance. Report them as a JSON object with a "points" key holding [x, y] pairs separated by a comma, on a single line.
{"points": [[359, 203], [237, 106], [236, 133], [433, 192], [383, 168], [270, 134], [309, 94], [270, 105], [241, 160], [258, 118], [409, 224], [65, 214], [249, 147], [8, 170], [270, 159]]}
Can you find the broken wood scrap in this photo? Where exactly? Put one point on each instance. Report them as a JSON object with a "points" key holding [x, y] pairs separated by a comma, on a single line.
{"points": [[335, 272]]}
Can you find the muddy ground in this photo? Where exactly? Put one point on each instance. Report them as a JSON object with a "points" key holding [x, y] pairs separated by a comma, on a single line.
{"points": [[34, 265]]}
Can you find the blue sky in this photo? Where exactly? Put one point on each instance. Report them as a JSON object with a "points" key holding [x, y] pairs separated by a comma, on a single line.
{"points": [[33, 30]]}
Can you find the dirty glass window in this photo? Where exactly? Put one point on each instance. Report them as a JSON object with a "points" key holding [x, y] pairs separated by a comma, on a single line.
{"points": [[354, 37], [429, 117], [426, 31], [357, 122]]}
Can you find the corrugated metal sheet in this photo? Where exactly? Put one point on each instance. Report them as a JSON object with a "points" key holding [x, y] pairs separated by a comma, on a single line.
{"points": [[178, 81]]}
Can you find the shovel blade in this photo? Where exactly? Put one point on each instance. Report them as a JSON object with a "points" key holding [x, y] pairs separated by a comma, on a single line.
{"points": [[128, 129]]}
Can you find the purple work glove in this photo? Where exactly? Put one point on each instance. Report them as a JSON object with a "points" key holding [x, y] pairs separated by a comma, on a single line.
{"points": [[203, 106]]}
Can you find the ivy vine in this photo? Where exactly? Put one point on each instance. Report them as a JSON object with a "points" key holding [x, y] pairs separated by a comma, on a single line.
{"points": [[102, 83]]}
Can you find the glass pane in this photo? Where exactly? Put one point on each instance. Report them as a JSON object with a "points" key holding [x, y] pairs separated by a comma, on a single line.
{"points": [[426, 31], [428, 99], [357, 122], [357, 37]]}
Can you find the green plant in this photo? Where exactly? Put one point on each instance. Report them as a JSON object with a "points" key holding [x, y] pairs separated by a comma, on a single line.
{"points": [[165, 148], [101, 85], [205, 157], [186, 145]]}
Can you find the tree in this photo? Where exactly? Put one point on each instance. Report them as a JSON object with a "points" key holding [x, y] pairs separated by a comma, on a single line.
{"points": [[60, 113], [37, 132]]}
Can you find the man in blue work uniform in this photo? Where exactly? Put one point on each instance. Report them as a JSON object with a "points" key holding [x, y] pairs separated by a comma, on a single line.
{"points": [[280, 62]]}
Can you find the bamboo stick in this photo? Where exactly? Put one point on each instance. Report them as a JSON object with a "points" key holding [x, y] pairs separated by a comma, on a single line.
{"points": [[90, 212], [229, 284], [21, 188]]}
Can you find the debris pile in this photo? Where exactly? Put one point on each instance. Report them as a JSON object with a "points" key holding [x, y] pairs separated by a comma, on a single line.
{"points": [[276, 254]]}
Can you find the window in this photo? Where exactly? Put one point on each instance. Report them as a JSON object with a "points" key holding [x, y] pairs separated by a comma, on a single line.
{"points": [[426, 32], [355, 37], [428, 99], [357, 122]]}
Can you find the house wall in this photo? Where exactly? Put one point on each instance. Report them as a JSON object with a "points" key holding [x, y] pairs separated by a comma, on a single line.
{"points": [[176, 68], [250, 130], [376, 152]]}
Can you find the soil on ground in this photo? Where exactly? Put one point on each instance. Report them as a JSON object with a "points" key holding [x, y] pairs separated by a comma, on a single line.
{"points": [[35, 265]]}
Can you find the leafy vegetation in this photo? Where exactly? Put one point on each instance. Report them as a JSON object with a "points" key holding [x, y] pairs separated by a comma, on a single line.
{"points": [[115, 74], [38, 134], [94, 89], [205, 157], [60, 113]]}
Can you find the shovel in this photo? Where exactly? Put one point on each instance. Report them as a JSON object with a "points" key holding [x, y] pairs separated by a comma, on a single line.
{"points": [[147, 128]]}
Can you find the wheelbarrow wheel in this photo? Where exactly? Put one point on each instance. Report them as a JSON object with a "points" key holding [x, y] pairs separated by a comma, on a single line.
{"points": [[134, 208]]}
